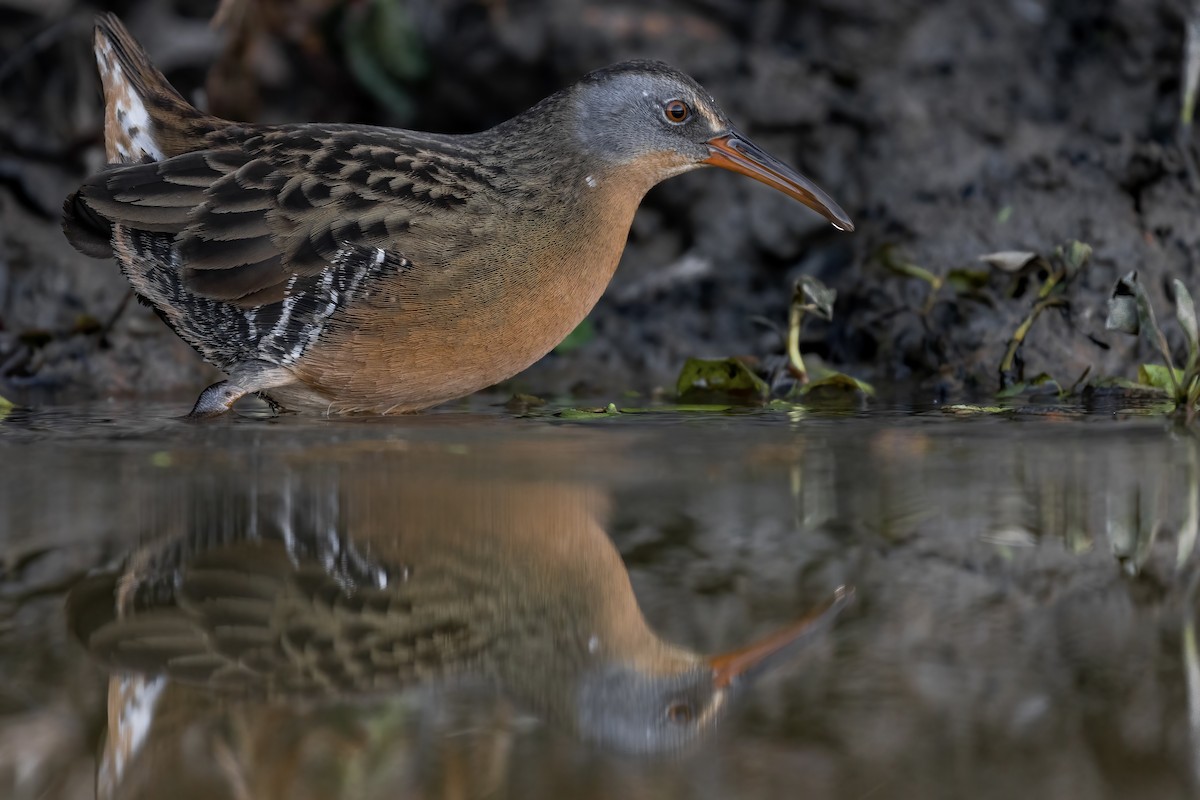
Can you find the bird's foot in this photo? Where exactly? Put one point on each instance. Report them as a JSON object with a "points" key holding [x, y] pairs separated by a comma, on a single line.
{"points": [[248, 377], [216, 400]]}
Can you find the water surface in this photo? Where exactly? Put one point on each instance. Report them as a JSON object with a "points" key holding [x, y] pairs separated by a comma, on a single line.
{"points": [[1022, 623]]}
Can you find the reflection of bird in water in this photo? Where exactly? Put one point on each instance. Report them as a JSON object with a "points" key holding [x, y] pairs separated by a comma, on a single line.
{"points": [[406, 581]]}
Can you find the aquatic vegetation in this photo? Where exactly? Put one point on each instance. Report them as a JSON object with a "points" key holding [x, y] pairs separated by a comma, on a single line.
{"points": [[1130, 311]]}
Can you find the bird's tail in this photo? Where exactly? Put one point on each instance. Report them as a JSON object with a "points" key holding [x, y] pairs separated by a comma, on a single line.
{"points": [[144, 117]]}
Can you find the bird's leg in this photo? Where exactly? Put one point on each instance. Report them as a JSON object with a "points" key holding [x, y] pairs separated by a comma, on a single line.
{"points": [[246, 378]]}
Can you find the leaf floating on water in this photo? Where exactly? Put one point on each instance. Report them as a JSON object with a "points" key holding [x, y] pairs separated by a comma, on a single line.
{"points": [[968, 410], [680, 408], [589, 413], [611, 410], [837, 382], [725, 376], [1009, 260]]}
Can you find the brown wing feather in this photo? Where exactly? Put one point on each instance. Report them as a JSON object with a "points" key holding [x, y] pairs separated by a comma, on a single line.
{"points": [[261, 206]]}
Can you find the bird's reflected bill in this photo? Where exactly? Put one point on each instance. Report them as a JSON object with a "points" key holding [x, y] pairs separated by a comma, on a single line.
{"points": [[730, 668], [736, 153]]}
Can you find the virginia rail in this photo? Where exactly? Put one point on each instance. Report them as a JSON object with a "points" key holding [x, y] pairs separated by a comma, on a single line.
{"points": [[401, 579], [351, 268]]}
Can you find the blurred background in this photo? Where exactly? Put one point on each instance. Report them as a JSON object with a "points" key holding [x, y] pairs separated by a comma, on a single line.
{"points": [[949, 130]]}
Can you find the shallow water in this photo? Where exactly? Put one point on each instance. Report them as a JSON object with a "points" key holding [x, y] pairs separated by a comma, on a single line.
{"points": [[1022, 621]]}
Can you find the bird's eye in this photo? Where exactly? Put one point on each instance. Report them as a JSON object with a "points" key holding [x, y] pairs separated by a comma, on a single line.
{"points": [[676, 112], [680, 713]]}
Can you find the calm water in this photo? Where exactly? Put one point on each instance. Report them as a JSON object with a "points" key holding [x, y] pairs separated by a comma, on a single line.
{"points": [[447, 606]]}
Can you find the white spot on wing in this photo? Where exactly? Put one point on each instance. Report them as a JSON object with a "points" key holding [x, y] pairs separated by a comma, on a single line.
{"points": [[591, 181]]}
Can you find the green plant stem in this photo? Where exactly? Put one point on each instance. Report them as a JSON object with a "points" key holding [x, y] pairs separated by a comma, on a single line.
{"points": [[1018, 338], [795, 361]]}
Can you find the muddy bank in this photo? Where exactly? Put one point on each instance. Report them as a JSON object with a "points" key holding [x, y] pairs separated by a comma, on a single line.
{"points": [[947, 129]]}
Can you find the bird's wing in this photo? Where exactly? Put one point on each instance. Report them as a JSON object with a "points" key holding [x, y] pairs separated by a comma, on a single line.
{"points": [[251, 619], [258, 207]]}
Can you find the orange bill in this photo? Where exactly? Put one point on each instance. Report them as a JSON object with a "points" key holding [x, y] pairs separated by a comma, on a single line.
{"points": [[729, 668], [736, 153]]}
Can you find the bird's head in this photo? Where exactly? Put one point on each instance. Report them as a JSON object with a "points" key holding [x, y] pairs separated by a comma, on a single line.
{"points": [[664, 709], [652, 116]]}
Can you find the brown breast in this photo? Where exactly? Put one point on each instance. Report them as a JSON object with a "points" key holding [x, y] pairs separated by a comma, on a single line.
{"points": [[441, 331]]}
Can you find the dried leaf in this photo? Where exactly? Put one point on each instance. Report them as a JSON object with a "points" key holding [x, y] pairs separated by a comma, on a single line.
{"points": [[1123, 313], [814, 294], [1009, 260]]}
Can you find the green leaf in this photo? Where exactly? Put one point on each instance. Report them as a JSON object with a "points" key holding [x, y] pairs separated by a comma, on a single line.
{"points": [[837, 382], [584, 332], [719, 376], [384, 52], [1158, 377], [680, 408], [589, 413], [967, 280], [1185, 312], [1075, 256]]}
